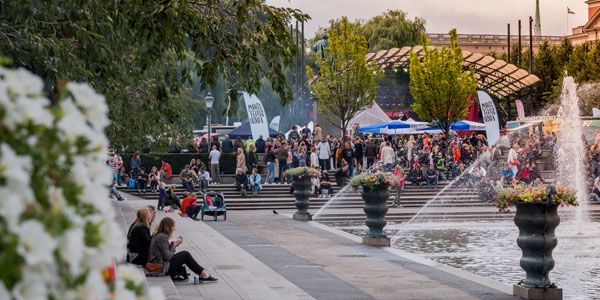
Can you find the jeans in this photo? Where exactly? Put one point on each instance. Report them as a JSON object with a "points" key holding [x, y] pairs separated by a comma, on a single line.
{"points": [[161, 202], [188, 185], [192, 211], [370, 161], [282, 168], [271, 173], [113, 191], [350, 171], [323, 164], [178, 263], [433, 180], [595, 197], [203, 183], [399, 190], [215, 173], [255, 188], [142, 184]]}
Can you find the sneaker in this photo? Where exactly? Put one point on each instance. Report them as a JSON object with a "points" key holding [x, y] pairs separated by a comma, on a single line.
{"points": [[180, 278], [207, 279]]}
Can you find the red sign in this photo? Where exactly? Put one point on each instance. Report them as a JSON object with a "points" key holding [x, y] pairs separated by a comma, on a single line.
{"points": [[396, 114]]}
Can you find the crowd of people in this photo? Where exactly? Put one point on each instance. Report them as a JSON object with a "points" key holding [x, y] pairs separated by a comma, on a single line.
{"points": [[425, 159]]}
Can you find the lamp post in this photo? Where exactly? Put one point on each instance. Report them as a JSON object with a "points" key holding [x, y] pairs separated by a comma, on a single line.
{"points": [[209, 100]]}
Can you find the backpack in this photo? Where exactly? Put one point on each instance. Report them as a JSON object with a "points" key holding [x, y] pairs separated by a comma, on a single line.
{"points": [[131, 184]]}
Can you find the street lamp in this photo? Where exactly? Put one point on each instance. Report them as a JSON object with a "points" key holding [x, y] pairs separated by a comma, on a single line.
{"points": [[209, 100]]}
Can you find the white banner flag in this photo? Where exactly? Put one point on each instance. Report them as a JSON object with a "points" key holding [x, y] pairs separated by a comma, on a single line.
{"points": [[256, 116], [490, 117], [275, 123]]}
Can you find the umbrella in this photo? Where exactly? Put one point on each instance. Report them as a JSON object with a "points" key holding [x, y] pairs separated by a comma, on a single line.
{"points": [[467, 125], [376, 128]]}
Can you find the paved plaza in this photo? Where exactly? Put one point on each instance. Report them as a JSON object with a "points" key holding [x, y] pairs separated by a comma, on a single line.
{"points": [[258, 255]]}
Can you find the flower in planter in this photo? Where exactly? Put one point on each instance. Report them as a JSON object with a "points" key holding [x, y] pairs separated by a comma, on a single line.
{"points": [[373, 180], [301, 172], [527, 194]]}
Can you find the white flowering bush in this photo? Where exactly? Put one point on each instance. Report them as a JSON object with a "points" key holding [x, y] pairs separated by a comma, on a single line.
{"points": [[57, 227]]}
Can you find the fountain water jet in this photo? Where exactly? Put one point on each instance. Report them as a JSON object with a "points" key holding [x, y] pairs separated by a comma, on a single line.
{"points": [[571, 149]]}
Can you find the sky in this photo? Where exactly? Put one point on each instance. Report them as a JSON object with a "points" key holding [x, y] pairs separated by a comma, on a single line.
{"points": [[467, 16]]}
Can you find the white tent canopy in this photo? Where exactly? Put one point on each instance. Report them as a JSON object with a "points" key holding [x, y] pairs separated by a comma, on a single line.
{"points": [[370, 115]]}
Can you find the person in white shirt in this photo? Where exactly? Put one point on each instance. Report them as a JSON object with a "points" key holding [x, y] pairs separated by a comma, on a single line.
{"points": [[204, 179], [214, 157], [324, 151], [387, 156], [513, 159]]}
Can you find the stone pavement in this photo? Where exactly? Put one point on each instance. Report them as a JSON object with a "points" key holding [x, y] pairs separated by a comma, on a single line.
{"points": [[258, 255]]}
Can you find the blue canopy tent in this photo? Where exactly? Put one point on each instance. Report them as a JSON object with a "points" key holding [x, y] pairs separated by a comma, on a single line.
{"points": [[377, 128], [460, 125], [244, 131]]}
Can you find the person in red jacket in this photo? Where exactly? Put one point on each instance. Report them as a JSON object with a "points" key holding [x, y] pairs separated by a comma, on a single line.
{"points": [[188, 205], [166, 170]]}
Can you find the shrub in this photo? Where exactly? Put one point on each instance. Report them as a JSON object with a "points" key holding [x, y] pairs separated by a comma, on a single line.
{"points": [[227, 162]]}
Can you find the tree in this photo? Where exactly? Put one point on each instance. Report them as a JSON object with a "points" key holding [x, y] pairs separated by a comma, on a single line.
{"points": [[439, 85], [392, 29], [546, 67], [346, 83], [140, 54]]}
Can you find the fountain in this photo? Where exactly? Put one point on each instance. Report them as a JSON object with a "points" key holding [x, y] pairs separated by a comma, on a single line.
{"points": [[571, 149]]}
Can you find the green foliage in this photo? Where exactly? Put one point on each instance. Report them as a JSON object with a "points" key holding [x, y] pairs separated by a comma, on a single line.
{"points": [[140, 53], [392, 29], [346, 83], [439, 85]]}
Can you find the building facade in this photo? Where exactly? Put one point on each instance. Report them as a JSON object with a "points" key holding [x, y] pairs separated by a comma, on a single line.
{"points": [[590, 31], [492, 43]]}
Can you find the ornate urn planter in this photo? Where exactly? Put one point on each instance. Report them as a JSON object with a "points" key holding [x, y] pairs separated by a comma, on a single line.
{"points": [[376, 208], [302, 193], [536, 223]]}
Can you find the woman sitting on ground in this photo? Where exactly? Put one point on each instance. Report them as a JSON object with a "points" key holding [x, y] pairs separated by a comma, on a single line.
{"points": [[188, 205], [325, 189], [163, 252], [138, 237]]}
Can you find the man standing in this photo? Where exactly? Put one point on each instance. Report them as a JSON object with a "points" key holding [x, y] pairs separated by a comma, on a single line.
{"points": [[214, 157], [348, 156], [324, 151], [370, 152], [260, 145], [282, 157], [227, 145], [294, 136]]}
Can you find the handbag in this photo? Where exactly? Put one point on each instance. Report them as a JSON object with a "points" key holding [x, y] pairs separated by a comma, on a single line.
{"points": [[155, 267]]}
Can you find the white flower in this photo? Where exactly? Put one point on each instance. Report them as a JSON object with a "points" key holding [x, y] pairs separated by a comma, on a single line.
{"points": [[15, 168], [155, 293], [11, 207], [73, 123], [4, 294], [71, 248], [56, 198], [93, 104], [30, 288], [94, 288], [21, 82], [35, 245], [131, 274]]}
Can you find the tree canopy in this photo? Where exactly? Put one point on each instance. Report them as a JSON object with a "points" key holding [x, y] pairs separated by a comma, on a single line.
{"points": [[439, 85], [392, 29], [140, 54], [345, 82]]}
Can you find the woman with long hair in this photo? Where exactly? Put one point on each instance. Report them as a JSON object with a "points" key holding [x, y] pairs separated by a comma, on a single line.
{"points": [[241, 160], [138, 237], [163, 252]]}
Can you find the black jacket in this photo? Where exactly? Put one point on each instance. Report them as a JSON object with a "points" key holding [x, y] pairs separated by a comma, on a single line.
{"points": [[260, 146], [139, 242], [227, 146]]}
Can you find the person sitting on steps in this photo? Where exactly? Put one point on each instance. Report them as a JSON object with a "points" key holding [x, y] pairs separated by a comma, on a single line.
{"points": [[174, 263], [254, 181], [241, 181], [325, 189], [188, 205]]}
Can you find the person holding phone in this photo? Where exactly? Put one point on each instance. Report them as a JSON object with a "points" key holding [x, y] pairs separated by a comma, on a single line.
{"points": [[173, 263]]}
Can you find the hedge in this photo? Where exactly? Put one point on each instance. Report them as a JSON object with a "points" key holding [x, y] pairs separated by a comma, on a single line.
{"points": [[227, 163]]}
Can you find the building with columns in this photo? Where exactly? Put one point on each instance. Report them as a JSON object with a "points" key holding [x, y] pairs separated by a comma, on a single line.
{"points": [[590, 31]]}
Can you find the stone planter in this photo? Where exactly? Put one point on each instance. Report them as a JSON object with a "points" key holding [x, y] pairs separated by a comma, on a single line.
{"points": [[302, 194], [536, 223], [376, 209]]}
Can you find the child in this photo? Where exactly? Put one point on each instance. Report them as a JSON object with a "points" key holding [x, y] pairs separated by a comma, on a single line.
{"points": [[162, 195]]}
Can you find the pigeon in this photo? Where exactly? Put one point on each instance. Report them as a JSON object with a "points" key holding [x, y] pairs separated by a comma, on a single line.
{"points": [[275, 212]]}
